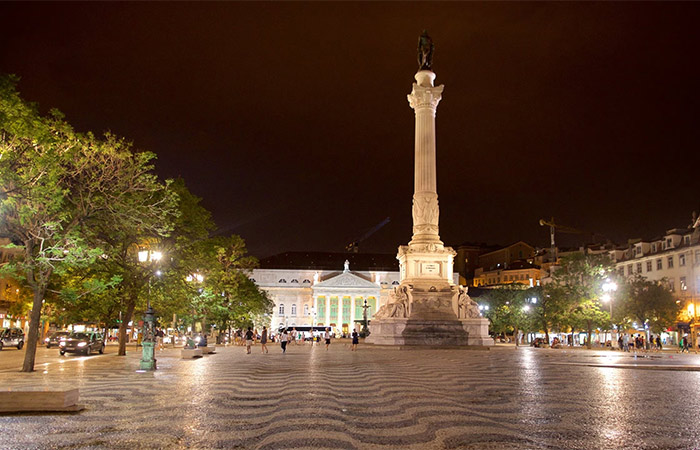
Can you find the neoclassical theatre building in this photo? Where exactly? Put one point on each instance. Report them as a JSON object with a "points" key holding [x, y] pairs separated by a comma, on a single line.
{"points": [[326, 289]]}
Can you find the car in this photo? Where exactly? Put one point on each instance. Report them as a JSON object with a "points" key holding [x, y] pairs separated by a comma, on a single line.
{"points": [[12, 337], [55, 338], [85, 342]]}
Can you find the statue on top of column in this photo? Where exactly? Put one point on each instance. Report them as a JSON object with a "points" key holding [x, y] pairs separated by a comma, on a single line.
{"points": [[425, 52]]}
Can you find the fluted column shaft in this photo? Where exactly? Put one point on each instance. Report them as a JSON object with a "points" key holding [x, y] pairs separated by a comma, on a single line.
{"points": [[426, 212]]}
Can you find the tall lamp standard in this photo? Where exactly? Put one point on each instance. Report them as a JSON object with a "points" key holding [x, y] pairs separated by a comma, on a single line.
{"points": [[608, 287], [365, 329], [148, 360]]}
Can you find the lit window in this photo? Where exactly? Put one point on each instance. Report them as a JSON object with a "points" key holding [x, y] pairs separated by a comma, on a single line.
{"points": [[684, 286], [280, 311]]}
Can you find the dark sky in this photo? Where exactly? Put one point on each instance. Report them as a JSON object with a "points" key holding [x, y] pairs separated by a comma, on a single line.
{"points": [[291, 119]]}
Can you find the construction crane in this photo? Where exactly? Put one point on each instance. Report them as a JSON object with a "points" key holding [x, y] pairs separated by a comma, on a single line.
{"points": [[354, 246], [562, 229]]}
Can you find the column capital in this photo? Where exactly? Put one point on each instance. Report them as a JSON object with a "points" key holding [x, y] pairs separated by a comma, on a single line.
{"points": [[425, 97]]}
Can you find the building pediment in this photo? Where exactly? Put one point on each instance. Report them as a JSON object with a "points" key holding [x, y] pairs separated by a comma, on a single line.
{"points": [[344, 281]]}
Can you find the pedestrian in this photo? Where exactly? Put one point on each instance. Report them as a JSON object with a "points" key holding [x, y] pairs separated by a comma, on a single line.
{"points": [[283, 340], [619, 343], [248, 340], [626, 343], [685, 344], [355, 340], [263, 340], [659, 346], [327, 337]]}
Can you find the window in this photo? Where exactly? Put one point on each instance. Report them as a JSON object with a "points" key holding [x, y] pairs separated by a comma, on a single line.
{"points": [[653, 248], [670, 262], [671, 285], [649, 266], [659, 264], [629, 269], [681, 260], [684, 286], [686, 239], [280, 311], [294, 309], [306, 310], [669, 243], [663, 245], [639, 267], [638, 250]]}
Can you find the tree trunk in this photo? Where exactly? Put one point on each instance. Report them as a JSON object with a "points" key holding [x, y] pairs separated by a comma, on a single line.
{"points": [[588, 336], [546, 333], [130, 306], [33, 334], [517, 338]]}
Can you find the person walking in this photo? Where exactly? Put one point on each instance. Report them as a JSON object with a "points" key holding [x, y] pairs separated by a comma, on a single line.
{"points": [[263, 340], [248, 340], [327, 337], [684, 342], [355, 340], [626, 343], [284, 338], [659, 346]]}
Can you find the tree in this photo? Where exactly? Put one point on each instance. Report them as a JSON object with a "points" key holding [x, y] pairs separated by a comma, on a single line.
{"points": [[53, 181], [577, 287], [228, 296], [649, 303], [509, 309]]}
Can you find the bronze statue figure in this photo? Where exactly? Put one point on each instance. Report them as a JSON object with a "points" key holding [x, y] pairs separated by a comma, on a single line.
{"points": [[425, 52]]}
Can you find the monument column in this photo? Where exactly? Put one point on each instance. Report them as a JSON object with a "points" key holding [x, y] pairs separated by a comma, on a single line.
{"points": [[424, 100]]}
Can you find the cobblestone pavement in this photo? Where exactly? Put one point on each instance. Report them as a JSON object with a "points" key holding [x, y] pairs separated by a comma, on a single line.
{"points": [[374, 398]]}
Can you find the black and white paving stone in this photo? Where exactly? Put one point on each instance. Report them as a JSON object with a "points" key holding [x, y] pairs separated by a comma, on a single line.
{"points": [[376, 397]]}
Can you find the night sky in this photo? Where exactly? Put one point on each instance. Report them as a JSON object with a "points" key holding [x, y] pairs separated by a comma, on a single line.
{"points": [[290, 120]]}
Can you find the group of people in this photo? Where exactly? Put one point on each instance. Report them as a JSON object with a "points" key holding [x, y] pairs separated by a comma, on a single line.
{"points": [[638, 342], [285, 338]]}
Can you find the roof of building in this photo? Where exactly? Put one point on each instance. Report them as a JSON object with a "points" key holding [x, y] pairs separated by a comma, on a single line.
{"points": [[331, 261]]}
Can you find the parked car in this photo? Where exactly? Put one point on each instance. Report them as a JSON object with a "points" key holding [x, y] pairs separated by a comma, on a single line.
{"points": [[12, 337], [55, 338], [85, 342]]}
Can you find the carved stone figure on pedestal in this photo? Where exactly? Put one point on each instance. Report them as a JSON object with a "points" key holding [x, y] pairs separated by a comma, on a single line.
{"points": [[466, 307]]}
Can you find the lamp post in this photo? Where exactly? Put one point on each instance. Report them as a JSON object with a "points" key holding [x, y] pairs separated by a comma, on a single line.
{"points": [[148, 360], [365, 328], [608, 287]]}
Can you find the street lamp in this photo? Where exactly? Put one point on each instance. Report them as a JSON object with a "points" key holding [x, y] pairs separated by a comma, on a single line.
{"points": [[148, 360], [365, 329], [608, 287]]}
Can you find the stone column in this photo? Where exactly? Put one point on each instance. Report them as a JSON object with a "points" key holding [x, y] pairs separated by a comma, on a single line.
{"points": [[340, 314], [351, 324], [424, 100]]}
